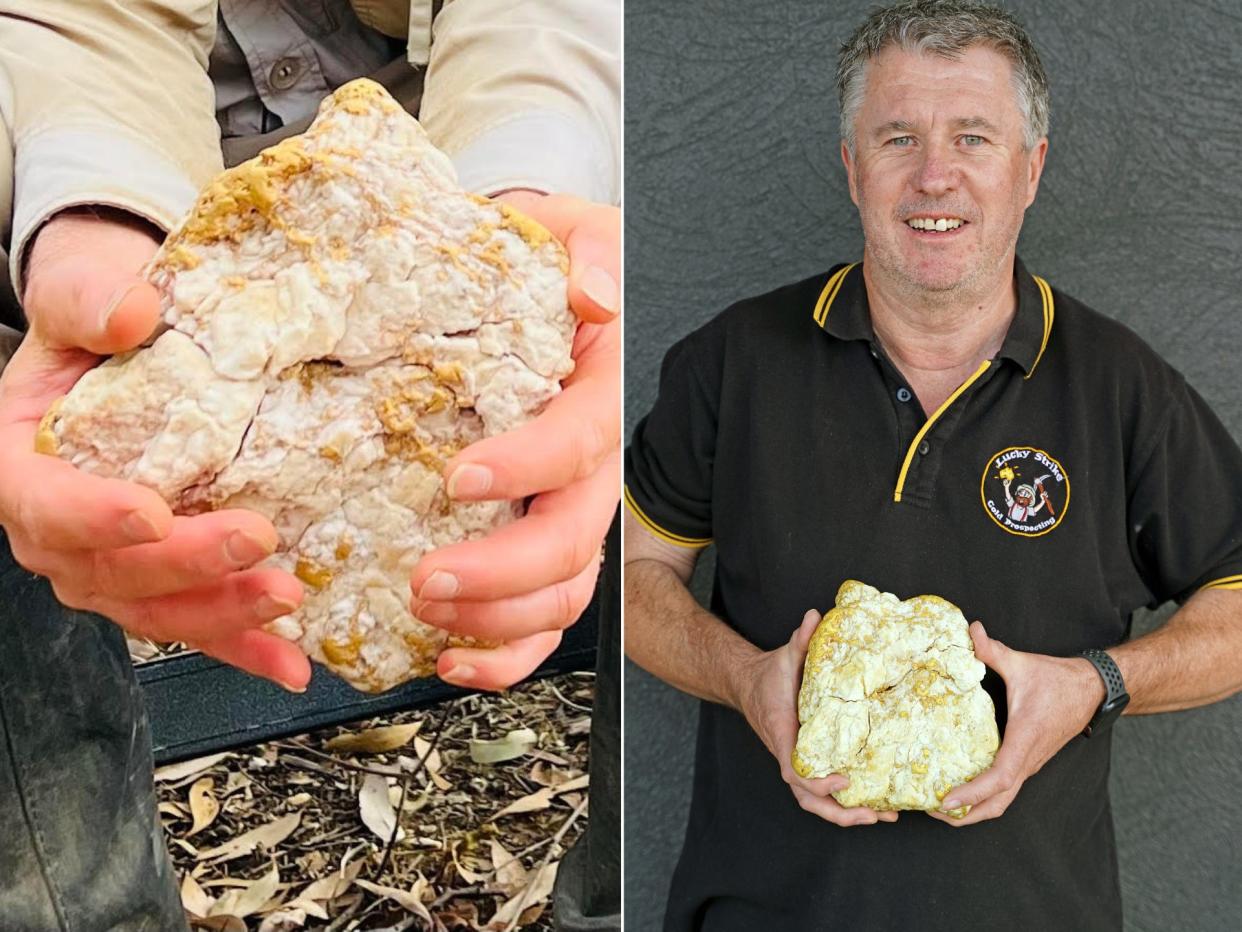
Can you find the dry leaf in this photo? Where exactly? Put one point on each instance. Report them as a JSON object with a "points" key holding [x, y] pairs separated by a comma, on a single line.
{"points": [[188, 768], [245, 902], [549, 757], [203, 805], [422, 747], [534, 893], [299, 799], [376, 808], [409, 900], [468, 875], [269, 835], [375, 740], [284, 920], [194, 898], [332, 886], [510, 875], [514, 744], [220, 924], [460, 914], [533, 802], [173, 809]]}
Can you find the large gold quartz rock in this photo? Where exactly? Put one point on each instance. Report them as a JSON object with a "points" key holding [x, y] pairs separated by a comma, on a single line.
{"points": [[339, 319], [891, 698]]}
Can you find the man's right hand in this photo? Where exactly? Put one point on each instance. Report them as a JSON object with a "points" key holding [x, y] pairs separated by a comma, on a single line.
{"points": [[107, 545], [769, 701]]}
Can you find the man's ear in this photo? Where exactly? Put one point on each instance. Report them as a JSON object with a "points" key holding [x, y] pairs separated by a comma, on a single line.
{"points": [[1035, 168], [848, 160]]}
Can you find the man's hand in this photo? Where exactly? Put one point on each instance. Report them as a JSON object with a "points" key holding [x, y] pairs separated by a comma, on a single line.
{"points": [[529, 580], [770, 703], [106, 545], [1050, 700]]}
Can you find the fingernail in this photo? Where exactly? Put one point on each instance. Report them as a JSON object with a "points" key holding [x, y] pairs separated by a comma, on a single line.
{"points": [[437, 613], [469, 481], [294, 689], [461, 675], [270, 606], [242, 549], [139, 528], [112, 306], [950, 804], [439, 587], [601, 288]]}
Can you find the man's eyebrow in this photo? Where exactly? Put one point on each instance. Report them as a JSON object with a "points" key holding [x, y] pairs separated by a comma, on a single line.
{"points": [[894, 126], [975, 122]]}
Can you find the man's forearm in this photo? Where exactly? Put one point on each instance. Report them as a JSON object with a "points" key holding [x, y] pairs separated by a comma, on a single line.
{"points": [[670, 636], [1192, 660]]}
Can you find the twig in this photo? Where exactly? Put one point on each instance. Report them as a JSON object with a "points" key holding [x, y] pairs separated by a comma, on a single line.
{"points": [[319, 768], [547, 859], [453, 894], [570, 702], [339, 922], [405, 785]]}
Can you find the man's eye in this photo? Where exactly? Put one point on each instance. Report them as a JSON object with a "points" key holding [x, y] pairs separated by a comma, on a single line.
{"points": [[973, 140], [902, 141]]}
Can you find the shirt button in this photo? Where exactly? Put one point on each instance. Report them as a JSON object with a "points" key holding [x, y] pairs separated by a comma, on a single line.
{"points": [[924, 447], [285, 73], [903, 394]]}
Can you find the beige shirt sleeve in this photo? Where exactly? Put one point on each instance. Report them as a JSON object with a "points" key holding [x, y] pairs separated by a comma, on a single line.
{"points": [[106, 102], [528, 95]]}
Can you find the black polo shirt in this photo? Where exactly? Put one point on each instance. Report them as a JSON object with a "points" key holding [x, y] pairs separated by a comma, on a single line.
{"points": [[1069, 481]]}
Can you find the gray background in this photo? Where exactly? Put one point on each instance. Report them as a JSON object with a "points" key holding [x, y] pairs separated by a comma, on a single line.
{"points": [[734, 186]]}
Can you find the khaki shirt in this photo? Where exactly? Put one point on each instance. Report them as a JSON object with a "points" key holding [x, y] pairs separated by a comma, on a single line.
{"points": [[110, 102]]}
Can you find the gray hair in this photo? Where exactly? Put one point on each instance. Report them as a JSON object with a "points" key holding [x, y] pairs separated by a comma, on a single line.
{"points": [[946, 28]]}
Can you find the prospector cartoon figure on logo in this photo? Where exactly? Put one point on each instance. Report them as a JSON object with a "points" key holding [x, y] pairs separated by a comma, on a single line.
{"points": [[1038, 504]]}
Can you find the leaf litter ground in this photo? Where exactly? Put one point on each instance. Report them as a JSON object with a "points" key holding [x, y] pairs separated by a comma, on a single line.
{"points": [[299, 834]]}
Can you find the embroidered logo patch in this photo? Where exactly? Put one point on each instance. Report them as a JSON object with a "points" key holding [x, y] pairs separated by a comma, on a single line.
{"points": [[1025, 491]]}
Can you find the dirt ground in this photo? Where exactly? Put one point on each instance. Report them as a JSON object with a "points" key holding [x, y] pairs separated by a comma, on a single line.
{"points": [[491, 790]]}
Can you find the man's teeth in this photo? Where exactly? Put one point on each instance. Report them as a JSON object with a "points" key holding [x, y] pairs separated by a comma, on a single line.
{"points": [[927, 223]]}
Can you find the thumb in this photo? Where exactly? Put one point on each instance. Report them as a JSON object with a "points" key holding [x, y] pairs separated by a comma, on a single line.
{"points": [[85, 290], [801, 640], [990, 651]]}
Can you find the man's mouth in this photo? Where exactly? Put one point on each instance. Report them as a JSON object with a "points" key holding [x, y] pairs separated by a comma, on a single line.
{"points": [[935, 224]]}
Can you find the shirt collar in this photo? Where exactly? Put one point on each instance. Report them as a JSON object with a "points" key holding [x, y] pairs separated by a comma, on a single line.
{"points": [[841, 309]]}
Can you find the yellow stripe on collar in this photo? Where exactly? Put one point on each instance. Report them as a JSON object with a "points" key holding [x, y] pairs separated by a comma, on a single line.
{"points": [[666, 536], [1045, 291], [829, 294], [914, 444], [1225, 582]]}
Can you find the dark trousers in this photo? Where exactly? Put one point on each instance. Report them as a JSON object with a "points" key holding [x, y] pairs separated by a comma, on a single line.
{"points": [[80, 842]]}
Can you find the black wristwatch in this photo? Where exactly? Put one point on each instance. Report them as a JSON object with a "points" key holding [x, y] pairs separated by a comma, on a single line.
{"points": [[1117, 697]]}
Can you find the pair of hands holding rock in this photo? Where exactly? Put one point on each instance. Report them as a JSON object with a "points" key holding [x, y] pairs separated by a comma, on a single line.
{"points": [[1049, 700], [115, 547]]}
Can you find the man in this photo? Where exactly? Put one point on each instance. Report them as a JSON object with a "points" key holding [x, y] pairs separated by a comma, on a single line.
{"points": [[114, 116], [862, 424]]}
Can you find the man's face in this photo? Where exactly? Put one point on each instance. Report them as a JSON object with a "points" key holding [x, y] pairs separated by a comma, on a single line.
{"points": [[940, 139]]}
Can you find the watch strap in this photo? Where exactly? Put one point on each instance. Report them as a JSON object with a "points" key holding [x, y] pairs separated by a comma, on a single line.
{"points": [[1116, 696]]}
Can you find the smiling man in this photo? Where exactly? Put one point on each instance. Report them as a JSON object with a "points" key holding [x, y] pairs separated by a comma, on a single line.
{"points": [[932, 419]]}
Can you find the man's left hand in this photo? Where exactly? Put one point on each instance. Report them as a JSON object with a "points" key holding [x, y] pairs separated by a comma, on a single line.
{"points": [[526, 582], [1050, 701]]}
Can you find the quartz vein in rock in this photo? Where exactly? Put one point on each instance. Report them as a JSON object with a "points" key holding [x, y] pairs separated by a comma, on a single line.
{"points": [[339, 319], [891, 698]]}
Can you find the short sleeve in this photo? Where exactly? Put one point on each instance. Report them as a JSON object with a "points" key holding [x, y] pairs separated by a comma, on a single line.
{"points": [[670, 460], [1186, 504]]}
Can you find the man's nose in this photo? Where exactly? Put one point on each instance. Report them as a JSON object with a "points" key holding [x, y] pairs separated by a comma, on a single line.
{"points": [[935, 173]]}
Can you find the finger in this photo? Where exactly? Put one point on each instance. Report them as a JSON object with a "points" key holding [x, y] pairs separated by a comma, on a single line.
{"points": [[262, 654], [567, 442], [832, 811], [558, 537], [243, 600], [197, 551], [57, 506], [801, 640], [93, 310], [992, 808], [819, 786], [992, 652], [1002, 777], [592, 237], [496, 668], [551, 608]]}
